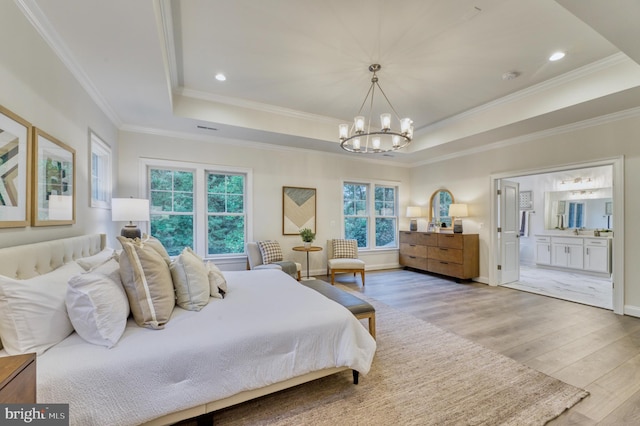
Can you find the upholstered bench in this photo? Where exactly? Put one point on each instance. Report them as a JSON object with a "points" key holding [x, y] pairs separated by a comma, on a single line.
{"points": [[358, 307]]}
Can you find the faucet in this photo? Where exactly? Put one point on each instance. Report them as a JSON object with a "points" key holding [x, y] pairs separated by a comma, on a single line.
{"points": [[576, 231]]}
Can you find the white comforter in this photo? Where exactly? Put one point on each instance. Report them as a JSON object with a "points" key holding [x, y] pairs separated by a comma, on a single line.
{"points": [[269, 328]]}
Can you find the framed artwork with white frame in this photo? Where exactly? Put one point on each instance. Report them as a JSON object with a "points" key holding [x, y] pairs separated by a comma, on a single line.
{"points": [[54, 181], [15, 170], [100, 167]]}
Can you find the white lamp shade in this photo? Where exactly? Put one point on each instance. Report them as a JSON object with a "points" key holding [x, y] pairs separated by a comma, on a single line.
{"points": [[129, 210], [458, 210], [414, 211]]}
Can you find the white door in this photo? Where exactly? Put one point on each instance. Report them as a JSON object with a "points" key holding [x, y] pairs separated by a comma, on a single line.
{"points": [[509, 231]]}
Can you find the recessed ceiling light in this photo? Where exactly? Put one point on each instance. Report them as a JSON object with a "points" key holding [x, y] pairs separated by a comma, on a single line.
{"points": [[220, 77], [556, 56]]}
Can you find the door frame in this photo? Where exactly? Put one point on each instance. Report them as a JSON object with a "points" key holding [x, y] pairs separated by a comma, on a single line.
{"points": [[617, 276]]}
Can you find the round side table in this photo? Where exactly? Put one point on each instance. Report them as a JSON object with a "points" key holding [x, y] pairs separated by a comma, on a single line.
{"points": [[307, 249]]}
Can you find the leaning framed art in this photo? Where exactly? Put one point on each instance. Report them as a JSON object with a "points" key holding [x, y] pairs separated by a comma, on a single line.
{"points": [[298, 209], [54, 181], [15, 170]]}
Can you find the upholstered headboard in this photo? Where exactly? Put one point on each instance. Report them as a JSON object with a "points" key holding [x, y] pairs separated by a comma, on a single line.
{"points": [[29, 260]]}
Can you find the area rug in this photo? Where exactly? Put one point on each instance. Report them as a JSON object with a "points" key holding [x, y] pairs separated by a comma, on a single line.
{"points": [[421, 375]]}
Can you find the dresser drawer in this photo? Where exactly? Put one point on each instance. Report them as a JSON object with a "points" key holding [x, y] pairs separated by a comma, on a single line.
{"points": [[445, 268], [408, 237], [451, 241], [413, 262], [445, 254], [428, 239], [413, 250]]}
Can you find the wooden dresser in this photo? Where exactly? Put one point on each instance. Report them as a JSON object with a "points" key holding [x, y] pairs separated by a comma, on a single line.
{"points": [[18, 379], [454, 255]]}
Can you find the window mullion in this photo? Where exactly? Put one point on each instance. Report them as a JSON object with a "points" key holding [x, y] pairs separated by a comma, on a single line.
{"points": [[200, 210]]}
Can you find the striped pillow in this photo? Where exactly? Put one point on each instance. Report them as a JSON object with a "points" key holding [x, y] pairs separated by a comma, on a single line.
{"points": [[147, 281], [345, 249], [270, 251]]}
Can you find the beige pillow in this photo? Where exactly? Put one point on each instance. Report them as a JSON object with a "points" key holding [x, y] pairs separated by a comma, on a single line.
{"points": [[191, 280], [147, 281], [217, 281], [151, 242]]}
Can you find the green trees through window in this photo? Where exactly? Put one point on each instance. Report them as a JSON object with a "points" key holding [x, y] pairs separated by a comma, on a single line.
{"points": [[360, 210], [174, 210]]}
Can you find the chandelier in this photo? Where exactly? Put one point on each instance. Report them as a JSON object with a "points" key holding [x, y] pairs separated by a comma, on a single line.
{"points": [[361, 138]]}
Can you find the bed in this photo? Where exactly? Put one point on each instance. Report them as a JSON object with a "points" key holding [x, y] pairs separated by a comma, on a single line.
{"points": [[267, 334]]}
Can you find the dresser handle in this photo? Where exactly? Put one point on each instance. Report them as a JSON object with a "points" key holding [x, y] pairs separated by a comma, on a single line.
{"points": [[443, 249], [445, 263], [449, 236]]}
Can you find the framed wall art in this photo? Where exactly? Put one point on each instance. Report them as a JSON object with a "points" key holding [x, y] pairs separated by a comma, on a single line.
{"points": [[54, 181], [298, 209], [15, 170]]}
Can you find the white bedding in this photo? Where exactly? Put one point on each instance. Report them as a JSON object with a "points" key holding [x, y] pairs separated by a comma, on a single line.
{"points": [[269, 328]]}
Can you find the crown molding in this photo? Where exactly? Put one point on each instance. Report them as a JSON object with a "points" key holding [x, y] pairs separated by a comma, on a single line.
{"points": [[35, 16], [166, 34], [597, 121]]}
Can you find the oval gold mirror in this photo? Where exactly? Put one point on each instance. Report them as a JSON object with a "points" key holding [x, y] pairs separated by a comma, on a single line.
{"points": [[439, 208]]}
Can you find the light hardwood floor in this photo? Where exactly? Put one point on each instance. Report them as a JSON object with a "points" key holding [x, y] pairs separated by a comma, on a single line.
{"points": [[588, 347]]}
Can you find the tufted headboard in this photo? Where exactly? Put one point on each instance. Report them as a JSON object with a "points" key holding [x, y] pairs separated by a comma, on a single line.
{"points": [[29, 260]]}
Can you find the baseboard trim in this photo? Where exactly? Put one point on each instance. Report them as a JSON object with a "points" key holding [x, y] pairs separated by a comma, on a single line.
{"points": [[633, 311]]}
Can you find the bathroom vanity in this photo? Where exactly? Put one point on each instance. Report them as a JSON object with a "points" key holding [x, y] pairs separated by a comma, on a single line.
{"points": [[574, 252]]}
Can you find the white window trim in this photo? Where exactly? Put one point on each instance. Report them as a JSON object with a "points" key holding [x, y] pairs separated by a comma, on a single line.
{"points": [[200, 169], [100, 147], [371, 235]]}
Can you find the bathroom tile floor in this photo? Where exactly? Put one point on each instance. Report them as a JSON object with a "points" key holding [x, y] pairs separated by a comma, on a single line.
{"points": [[575, 287]]}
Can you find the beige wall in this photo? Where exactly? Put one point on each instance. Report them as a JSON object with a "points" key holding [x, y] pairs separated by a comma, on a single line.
{"points": [[38, 87], [468, 178], [272, 169]]}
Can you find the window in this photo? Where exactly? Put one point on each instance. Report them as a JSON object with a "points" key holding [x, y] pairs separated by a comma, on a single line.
{"points": [[576, 215], [100, 172], [171, 196], [199, 206], [361, 210]]}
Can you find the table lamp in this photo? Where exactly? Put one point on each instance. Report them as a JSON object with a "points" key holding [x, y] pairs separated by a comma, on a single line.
{"points": [[414, 212], [457, 211], [130, 210]]}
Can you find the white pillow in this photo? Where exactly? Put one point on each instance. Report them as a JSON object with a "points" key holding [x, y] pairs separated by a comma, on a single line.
{"points": [[33, 316], [97, 304], [191, 281], [90, 262], [217, 281]]}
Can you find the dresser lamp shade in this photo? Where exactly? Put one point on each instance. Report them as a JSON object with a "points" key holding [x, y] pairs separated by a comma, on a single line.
{"points": [[414, 212], [456, 211], [130, 210]]}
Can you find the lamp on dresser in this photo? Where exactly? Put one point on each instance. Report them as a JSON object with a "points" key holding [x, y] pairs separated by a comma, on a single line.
{"points": [[413, 213], [130, 210], [456, 212]]}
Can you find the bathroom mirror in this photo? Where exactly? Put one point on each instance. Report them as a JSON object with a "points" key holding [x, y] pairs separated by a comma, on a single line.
{"points": [[578, 209], [439, 208]]}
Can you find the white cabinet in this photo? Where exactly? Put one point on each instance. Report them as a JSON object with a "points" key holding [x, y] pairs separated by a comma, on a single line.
{"points": [[597, 255], [567, 252], [543, 250], [579, 252]]}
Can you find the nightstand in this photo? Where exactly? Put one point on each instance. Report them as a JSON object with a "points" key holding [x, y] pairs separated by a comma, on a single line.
{"points": [[18, 379]]}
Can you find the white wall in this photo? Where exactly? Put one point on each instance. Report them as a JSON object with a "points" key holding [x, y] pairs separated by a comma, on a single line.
{"points": [[35, 85], [468, 178], [272, 169]]}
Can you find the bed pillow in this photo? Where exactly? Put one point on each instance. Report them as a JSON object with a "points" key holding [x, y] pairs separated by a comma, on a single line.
{"points": [[33, 316], [345, 249], [147, 281], [191, 280], [97, 304], [217, 281], [90, 262], [270, 251]]}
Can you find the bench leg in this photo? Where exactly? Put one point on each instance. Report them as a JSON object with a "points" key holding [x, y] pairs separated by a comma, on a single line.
{"points": [[356, 376], [372, 326], [362, 275]]}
